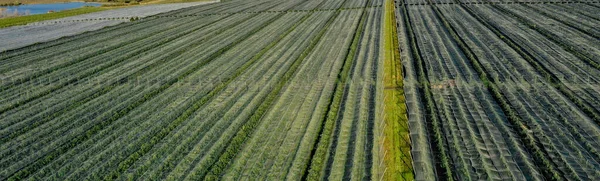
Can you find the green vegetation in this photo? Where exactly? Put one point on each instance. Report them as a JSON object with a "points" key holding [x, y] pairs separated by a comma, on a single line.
{"points": [[396, 144], [219, 97], [497, 94], [309, 90], [317, 163], [22, 20]]}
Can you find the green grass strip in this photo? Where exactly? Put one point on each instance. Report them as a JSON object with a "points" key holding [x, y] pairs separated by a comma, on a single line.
{"points": [[397, 146]]}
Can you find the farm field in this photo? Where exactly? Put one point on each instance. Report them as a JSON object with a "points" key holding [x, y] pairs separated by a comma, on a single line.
{"points": [[306, 90], [502, 90], [236, 90]]}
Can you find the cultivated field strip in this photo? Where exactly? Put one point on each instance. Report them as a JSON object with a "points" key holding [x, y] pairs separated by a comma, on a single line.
{"points": [[293, 90], [199, 76], [236, 7], [310, 5], [228, 6], [477, 149], [570, 112], [421, 150], [49, 130], [578, 22], [289, 130], [516, 71], [184, 144], [576, 75], [466, 2], [188, 98], [355, 118], [21, 73], [294, 54], [50, 85], [579, 40], [511, 90], [88, 90], [246, 164], [587, 11], [143, 68], [288, 7]]}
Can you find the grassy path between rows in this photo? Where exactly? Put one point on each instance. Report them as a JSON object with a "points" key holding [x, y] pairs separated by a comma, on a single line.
{"points": [[396, 140]]}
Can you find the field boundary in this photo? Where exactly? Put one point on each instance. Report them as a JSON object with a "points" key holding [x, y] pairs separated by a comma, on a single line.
{"points": [[498, 3], [134, 18], [123, 19], [260, 12]]}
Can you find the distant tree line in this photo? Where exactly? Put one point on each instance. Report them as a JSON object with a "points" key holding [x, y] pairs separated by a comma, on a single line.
{"points": [[16, 3]]}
